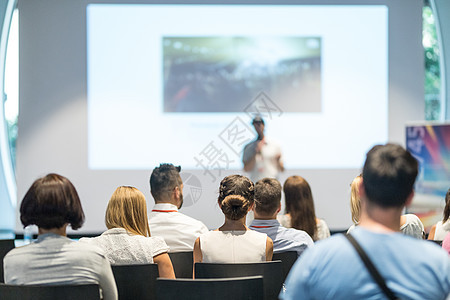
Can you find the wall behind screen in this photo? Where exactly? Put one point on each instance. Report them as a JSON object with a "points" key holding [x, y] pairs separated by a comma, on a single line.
{"points": [[53, 111]]}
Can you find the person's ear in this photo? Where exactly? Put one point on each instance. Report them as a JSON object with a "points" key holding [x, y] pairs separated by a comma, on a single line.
{"points": [[176, 192], [279, 208]]}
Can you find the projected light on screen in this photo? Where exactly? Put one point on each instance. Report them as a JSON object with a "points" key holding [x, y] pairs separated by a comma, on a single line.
{"points": [[168, 79], [221, 74]]}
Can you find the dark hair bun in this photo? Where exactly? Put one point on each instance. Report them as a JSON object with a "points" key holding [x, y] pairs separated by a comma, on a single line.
{"points": [[235, 207]]}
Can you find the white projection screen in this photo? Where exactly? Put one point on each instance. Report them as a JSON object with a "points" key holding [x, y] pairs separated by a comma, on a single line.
{"points": [[109, 90]]}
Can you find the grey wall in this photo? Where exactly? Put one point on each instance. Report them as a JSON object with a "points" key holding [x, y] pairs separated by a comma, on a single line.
{"points": [[53, 110]]}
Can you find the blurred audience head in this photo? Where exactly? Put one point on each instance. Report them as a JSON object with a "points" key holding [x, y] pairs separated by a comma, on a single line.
{"points": [[52, 202], [355, 203], [166, 185], [236, 196], [389, 174], [267, 197], [300, 204], [447, 207], [127, 209]]}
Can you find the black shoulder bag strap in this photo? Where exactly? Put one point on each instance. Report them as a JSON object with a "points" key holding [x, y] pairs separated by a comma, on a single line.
{"points": [[371, 268]]}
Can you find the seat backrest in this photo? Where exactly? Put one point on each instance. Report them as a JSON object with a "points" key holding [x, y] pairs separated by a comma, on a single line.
{"points": [[136, 281], [288, 259], [44, 292], [270, 270], [5, 247], [218, 289], [182, 264]]}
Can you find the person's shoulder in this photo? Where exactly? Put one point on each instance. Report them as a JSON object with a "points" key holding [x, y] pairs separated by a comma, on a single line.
{"points": [[256, 235], [295, 232], [192, 221], [19, 251]]}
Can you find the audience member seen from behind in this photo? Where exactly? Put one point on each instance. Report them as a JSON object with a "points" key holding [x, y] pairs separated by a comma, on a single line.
{"points": [[442, 228], [410, 224], [300, 213], [266, 208], [355, 204], [234, 242], [412, 269], [52, 203], [127, 240], [178, 230]]}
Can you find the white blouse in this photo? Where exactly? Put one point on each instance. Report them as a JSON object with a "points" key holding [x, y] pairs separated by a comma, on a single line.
{"points": [[233, 246], [124, 248]]}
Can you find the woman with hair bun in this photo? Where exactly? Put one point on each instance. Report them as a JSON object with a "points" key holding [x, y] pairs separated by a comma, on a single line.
{"points": [[234, 242]]}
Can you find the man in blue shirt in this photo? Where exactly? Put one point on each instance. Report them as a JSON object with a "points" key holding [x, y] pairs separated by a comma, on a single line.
{"points": [[267, 206], [411, 268]]}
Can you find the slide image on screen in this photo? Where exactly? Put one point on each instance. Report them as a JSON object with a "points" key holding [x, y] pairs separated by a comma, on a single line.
{"points": [[221, 74]]}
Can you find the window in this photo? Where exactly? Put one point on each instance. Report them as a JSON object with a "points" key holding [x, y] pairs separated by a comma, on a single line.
{"points": [[433, 101]]}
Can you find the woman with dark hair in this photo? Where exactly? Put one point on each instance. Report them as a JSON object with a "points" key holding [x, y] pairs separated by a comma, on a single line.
{"points": [[234, 242], [442, 228], [127, 240], [52, 203], [300, 213]]}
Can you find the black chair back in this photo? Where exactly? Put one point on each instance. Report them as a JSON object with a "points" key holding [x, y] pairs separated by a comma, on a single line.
{"points": [[45, 292], [5, 247], [136, 281], [287, 258], [270, 270], [242, 288], [182, 263]]}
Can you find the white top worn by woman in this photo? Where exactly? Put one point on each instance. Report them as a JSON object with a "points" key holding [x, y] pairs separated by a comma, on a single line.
{"points": [[441, 230], [323, 231], [233, 246], [124, 248], [56, 260]]}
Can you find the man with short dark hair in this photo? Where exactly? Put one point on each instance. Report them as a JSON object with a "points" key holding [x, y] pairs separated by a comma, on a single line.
{"points": [[267, 206], [411, 268], [178, 230]]}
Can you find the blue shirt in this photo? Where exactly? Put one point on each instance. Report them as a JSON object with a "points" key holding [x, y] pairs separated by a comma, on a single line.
{"points": [[412, 268], [284, 239]]}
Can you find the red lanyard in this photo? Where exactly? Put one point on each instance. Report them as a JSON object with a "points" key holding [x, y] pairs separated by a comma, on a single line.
{"points": [[161, 210]]}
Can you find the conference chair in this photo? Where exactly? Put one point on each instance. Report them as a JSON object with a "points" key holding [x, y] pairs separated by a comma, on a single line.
{"points": [[288, 259], [45, 292], [271, 271], [242, 288], [5, 247], [136, 281], [182, 263]]}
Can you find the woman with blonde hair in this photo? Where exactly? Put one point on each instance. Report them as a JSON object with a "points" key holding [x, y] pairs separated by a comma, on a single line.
{"points": [[127, 240], [300, 213], [410, 224], [355, 203], [234, 242]]}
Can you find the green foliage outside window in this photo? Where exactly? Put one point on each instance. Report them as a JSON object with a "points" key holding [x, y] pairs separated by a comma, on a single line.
{"points": [[432, 67]]}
